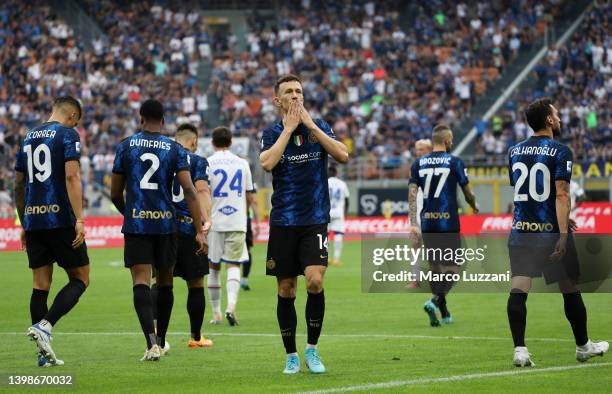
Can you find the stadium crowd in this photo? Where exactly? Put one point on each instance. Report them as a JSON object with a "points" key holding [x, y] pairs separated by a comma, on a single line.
{"points": [[380, 81], [578, 76], [380, 86]]}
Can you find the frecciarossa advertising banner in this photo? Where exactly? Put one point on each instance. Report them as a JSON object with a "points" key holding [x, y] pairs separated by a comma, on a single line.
{"points": [[105, 232]]}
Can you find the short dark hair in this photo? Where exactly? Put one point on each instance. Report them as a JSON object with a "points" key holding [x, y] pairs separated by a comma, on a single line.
{"points": [[152, 110], [332, 171], [68, 101], [537, 112], [285, 78], [221, 137], [186, 128]]}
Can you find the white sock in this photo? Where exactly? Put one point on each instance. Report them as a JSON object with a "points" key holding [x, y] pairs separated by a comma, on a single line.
{"points": [[214, 290], [45, 325], [309, 346], [292, 354], [586, 346], [233, 286], [338, 246]]}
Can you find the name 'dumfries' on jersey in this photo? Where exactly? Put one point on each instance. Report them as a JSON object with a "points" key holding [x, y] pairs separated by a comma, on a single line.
{"points": [[136, 214], [154, 144], [534, 150]]}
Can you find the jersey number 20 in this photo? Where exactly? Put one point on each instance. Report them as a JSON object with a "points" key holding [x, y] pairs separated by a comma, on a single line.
{"points": [[532, 174]]}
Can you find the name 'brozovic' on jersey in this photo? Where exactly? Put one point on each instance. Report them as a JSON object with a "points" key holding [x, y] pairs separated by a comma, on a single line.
{"points": [[301, 195], [148, 161], [41, 157], [534, 166], [438, 175], [198, 168]]}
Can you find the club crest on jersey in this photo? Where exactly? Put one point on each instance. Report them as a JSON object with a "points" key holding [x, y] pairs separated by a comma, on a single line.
{"points": [[312, 138], [227, 210], [298, 140]]}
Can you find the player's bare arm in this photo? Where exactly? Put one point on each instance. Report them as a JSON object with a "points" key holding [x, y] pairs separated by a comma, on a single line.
{"points": [[470, 198], [562, 205], [252, 204], [204, 199], [19, 190], [335, 148], [191, 197], [74, 187], [270, 158], [117, 188], [413, 190]]}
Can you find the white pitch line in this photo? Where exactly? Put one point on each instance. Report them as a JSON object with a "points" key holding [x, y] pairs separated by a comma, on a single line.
{"points": [[248, 334], [455, 378]]}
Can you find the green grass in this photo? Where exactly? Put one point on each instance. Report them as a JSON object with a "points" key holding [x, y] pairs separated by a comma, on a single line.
{"points": [[368, 338]]}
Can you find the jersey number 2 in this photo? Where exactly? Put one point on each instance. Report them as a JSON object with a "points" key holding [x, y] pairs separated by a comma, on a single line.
{"points": [[144, 182]]}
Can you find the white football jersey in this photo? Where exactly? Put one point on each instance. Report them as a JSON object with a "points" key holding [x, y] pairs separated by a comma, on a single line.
{"points": [[575, 192], [230, 178], [338, 192]]}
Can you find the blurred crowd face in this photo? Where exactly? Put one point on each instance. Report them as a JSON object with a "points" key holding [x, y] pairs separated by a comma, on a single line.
{"points": [[422, 148], [289, 92]]}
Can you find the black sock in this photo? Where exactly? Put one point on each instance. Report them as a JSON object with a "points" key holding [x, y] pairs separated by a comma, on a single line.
{"points": [[144, 310], [195, 308], [65, 300], [315, 310], [38, 305], [440, 301], [517, 315], [287, 322], [165, 300], [577, 316], [154, 301], [246, 267]]}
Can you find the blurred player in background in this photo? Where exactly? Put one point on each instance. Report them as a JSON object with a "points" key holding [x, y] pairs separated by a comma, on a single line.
{"points": [[295, 150], [233, 192], [438, 174], [49, 201], [189, 265], [577, 196], [251, 234], [540, 170], [145, 166], [339, 201], [421, 148]]}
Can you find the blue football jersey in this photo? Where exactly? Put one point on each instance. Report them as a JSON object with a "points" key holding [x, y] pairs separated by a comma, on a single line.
{"points": [[438, 175], [148, 161], [41, 157], [198, 167], [301, 195], [534, 165]]}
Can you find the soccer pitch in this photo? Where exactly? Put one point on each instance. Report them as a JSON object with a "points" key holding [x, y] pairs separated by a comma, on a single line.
{"points": [[370, 342]]}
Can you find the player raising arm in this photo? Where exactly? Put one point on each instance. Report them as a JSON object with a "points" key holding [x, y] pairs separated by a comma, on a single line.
{"points": [[144, 167], [295, 151]]}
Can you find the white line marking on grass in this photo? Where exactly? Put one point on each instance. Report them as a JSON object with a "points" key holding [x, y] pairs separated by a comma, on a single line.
{"points": [[455, 378], [256, 334]]}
